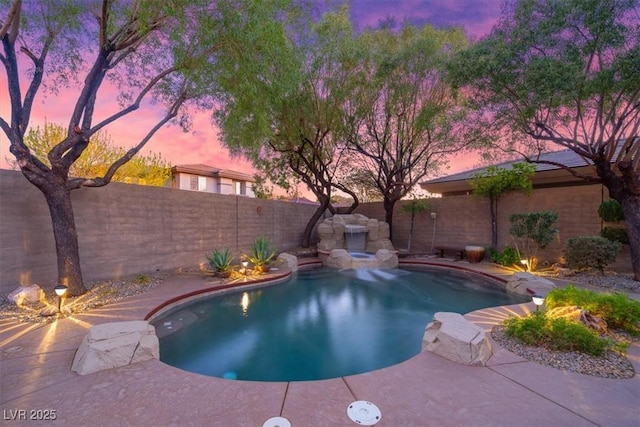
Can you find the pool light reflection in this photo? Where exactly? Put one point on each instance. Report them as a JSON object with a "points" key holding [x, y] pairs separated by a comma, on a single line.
{"points": [[244, 303]]}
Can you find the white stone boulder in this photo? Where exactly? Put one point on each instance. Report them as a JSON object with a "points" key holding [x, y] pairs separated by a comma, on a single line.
{"points": [[386, 258], [291, 261], [26, 295], [111, 345], [453, 337], [338, 258], [528, 284]]}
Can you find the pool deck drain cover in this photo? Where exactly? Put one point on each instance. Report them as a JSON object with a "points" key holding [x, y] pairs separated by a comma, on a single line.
{"points": [[277, 422], [364, 413]]}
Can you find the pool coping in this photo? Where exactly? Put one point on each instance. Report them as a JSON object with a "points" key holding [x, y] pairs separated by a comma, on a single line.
{"points": [[427, 389]]}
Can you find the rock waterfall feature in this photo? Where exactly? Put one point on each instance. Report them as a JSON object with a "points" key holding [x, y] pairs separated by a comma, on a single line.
{"points": [[355, 241]]}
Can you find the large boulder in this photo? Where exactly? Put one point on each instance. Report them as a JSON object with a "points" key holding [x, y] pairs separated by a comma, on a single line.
{"points": [[115, 344], [528, 284], [291, 261], [386, 258], [453, 337], [338, 258], [26, 295]]}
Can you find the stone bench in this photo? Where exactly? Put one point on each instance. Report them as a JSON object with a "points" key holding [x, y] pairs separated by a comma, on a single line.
{"points": [[453, 337]]}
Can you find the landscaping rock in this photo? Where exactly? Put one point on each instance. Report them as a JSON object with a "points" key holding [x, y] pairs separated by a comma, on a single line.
{"points": [[111, 345], [332, 233], [291, 261], [387, 258], [338, 258], [26, 295], [453, 337], [529, 284]]}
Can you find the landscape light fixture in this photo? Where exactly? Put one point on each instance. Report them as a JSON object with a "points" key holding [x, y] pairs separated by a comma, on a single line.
{"points": [[538, 300], [60, 290], [245, 264]]}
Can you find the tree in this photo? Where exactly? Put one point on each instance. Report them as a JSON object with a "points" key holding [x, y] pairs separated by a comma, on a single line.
{"points": [[98, 156], [414, 207], [495, 181], [360, 181], [290, 119], [566, 73], [405, 120], [165, 53]]}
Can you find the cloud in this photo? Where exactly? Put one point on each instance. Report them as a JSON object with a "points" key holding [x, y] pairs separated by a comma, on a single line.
{"points": [[202, 145], [476, 16]]}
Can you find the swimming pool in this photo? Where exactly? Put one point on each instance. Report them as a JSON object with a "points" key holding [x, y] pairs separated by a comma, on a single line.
{"points": [[323, 323]]}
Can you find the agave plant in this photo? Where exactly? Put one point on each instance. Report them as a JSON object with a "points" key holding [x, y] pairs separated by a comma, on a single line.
{"points": [[262, 253], [220, 260]]}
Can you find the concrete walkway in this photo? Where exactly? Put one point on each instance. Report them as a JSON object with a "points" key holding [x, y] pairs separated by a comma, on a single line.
{"points": [[426, 390]]}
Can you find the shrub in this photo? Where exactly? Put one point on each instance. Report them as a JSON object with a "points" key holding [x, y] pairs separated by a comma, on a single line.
{"points": [[532, 231], [611, 211], [556, 334], [618, 310], [141, 279], [615, 234], [509, 256], [590, 251]]}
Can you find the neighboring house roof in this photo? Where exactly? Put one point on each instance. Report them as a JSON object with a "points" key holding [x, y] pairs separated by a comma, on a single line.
{"points": [[206, 170], [303, 200], [546, 175]]}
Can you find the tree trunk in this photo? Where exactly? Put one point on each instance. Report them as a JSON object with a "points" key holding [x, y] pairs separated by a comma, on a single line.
{"points": [[306, 237], [493, 207], [66, 238], [626, 190], [388, 215], [413, 215], [631, 209]]}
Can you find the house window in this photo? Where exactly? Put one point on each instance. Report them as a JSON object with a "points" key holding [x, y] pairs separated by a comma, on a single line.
{"points": [[198, 183], [239, 188]]}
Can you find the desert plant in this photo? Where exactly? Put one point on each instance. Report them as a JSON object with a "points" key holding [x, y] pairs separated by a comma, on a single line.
{"points": [[615, 234], [262, 253], [611, 211], [532, 231], [141, 279], [508, 257], [590, 251], [414, 207], [617, 310], [495, 181], [220, 260]]}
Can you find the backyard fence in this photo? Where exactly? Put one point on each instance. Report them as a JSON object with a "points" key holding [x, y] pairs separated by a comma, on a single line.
{"points": [[126, 229]]}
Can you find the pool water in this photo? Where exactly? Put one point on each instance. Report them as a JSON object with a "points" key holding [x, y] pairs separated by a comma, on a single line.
{"points": [[322, 324]]}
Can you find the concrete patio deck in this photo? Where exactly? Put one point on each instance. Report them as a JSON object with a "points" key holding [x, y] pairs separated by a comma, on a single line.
{"points": [[426, 390]]}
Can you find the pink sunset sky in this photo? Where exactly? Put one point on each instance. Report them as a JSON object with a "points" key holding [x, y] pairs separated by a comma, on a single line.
{"points": [[202, 145]]}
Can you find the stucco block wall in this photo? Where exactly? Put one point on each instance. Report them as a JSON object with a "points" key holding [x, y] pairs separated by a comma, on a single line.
{"points": [[128, 229], [465, 220]]}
